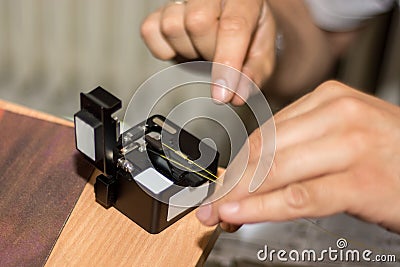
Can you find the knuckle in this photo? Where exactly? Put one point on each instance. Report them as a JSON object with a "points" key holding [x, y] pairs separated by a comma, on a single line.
{"points": [[172, 27], [332, 88], [198, 22], [233, 24], [349, 106], [148, 28], [331, 85], [297, 196]]}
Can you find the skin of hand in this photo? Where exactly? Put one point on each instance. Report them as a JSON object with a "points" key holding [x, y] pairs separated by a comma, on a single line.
{"points": [[241, 34], [337, 150], [237, 33]]}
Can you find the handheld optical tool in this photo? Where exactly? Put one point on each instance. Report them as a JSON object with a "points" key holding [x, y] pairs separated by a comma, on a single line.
{"points": [[154, 173]]}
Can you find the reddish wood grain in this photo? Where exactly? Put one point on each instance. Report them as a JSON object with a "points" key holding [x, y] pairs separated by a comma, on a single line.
{"points": [[41, 178]]}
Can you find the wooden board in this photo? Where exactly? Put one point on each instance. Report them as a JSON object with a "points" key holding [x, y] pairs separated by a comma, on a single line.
{"points": [[94, 236]]}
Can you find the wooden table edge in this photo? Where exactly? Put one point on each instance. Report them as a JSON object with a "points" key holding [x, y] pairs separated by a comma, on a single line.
{"points": [[19, 109]]}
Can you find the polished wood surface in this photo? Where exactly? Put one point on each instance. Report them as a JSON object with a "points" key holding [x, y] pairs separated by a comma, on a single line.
{"points": [[41, 178], [94, 236]]}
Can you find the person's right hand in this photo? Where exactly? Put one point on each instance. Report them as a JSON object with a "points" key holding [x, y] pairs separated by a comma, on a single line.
{"points": [[337, 150], [237, 33]]}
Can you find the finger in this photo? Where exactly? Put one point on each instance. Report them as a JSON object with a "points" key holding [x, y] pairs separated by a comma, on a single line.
{"points": [[220, 171], [233, 39], [239, 175], [314, 198], [260, 59], [311, 124], [304, 104], [252, 78], [173, 29], [243, 91], [309, 160], [326, 92], [201, 21], [294, 109], [153, 38], [313, 144], [297, 163], [208, 214], [249, 82]]}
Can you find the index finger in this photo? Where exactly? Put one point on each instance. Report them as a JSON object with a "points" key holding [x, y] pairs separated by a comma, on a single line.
{"points": [[237, 24]]}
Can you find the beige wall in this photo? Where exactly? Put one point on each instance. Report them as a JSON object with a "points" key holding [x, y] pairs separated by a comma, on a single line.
{"points": [[51, 50]]}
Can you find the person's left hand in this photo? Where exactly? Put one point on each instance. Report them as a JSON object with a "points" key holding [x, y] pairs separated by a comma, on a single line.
{"points": [[337, 150], [237, 33]]}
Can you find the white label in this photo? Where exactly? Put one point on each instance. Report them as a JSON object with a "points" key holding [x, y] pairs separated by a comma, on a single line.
{"points": [[153, 180], [185, 199], [85, 138]]}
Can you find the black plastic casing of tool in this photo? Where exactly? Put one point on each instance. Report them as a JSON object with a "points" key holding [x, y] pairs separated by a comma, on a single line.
{"points": [[122, 184]]}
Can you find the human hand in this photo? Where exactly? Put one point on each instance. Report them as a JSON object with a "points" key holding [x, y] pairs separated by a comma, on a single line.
{"points": [[237, 33], [337, 150]]}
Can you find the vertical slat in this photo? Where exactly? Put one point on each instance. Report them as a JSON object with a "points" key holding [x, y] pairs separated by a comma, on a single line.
{"points": [[93, 53], [4, 44], [24, 38]]}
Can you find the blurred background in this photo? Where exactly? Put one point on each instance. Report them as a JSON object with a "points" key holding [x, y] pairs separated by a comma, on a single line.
{"points": [[50, 51]]}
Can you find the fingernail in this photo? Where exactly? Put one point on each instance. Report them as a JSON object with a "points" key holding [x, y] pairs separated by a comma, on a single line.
{"points": [[219, 91], [204, 213], [229, 208]]}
